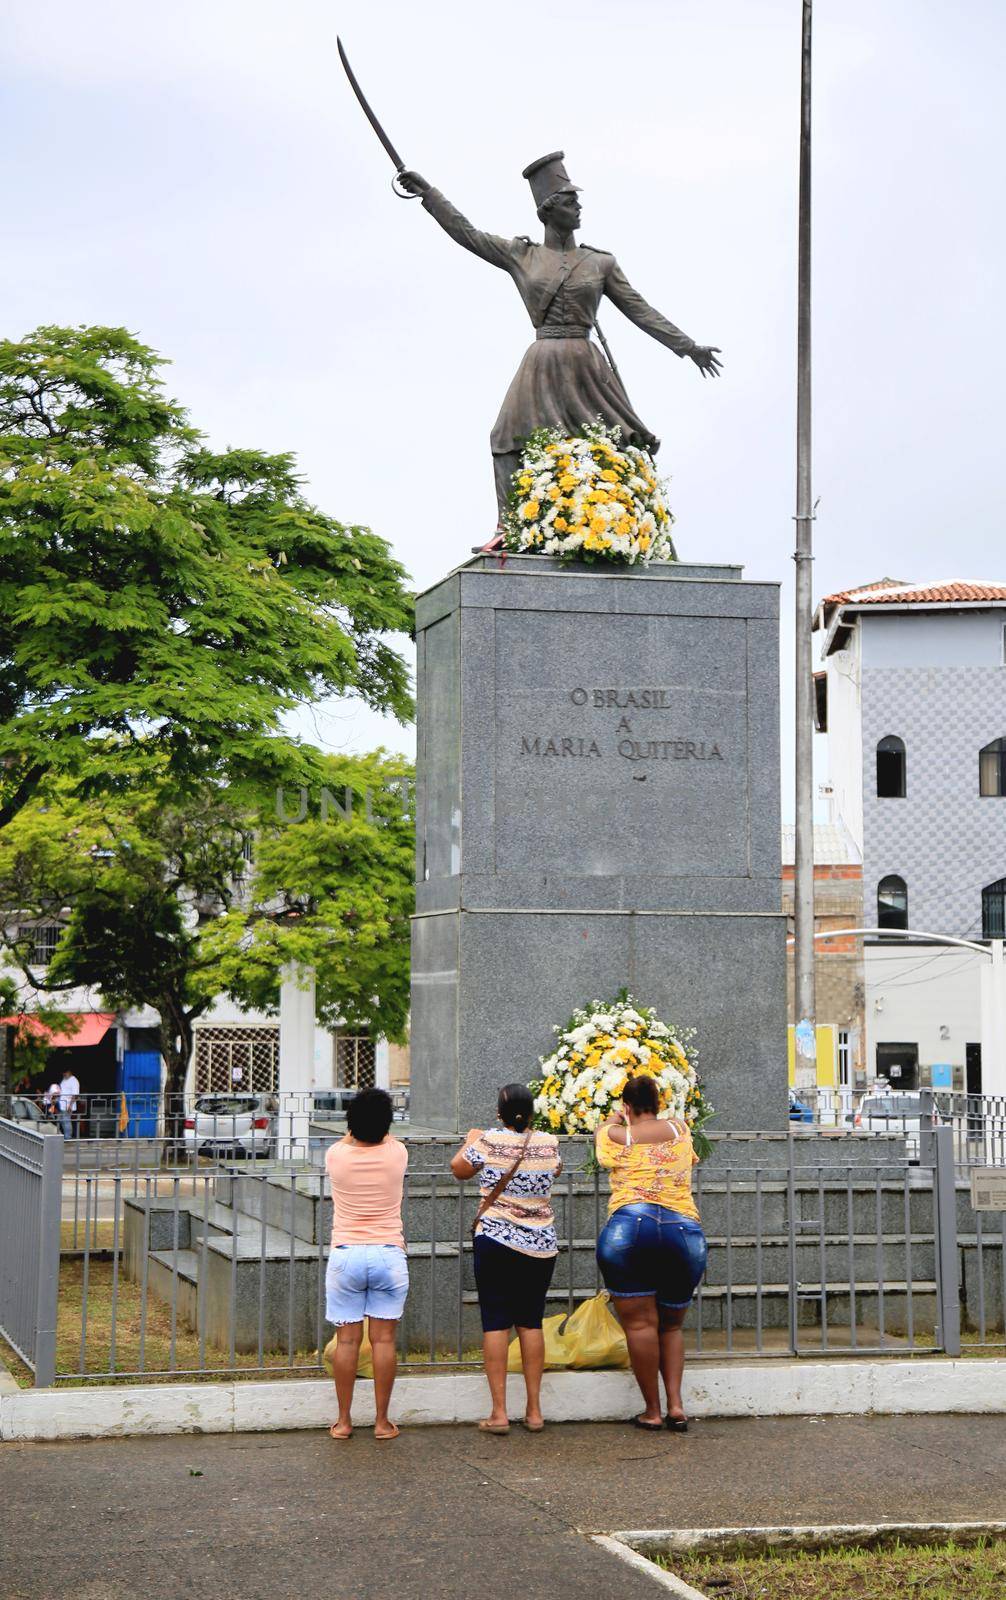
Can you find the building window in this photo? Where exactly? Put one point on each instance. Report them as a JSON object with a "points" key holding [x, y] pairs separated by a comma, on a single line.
{"points": [[891, 768], [992, 768], [844, 1058], [229, 1058], [355, 1061], [892, 903], [994, 910], [44, 940]]}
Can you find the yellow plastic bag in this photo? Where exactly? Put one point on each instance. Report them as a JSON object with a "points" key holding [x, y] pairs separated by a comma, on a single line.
{"points": [[365, 1365], [590, 1339]]}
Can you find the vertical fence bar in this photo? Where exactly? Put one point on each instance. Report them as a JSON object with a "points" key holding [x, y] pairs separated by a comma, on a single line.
{"points": [[850, 1213], [433, 1266], [176, 1222], [879, 1249], [116, 1202], [947, 1258], [1002, 1277], [759, 1230], [597, 1225], [791, 1248], [145, 1273], [49, 1230], [567, 1202], [461, 1269], [980, 1271], [263, 1206], [699, 1318], [909, 1270], [86, 1276], [292, 1268], [203, 1272], [406, 1189], [822, 1258], [729, 1307]]}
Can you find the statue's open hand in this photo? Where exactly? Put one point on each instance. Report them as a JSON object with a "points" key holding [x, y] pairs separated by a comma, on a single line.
{"points": [[413, 182], [704, 356]]}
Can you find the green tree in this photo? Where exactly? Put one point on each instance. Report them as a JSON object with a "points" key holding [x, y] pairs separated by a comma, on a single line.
{"points": [[163, 605], [160, 906]]}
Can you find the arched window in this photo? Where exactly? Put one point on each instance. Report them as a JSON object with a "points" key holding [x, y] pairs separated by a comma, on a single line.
{"points": [[992, 768], [891, 768], [892, 903], [994, 910]]}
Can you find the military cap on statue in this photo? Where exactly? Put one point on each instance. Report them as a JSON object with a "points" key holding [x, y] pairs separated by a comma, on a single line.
{"points": [[548, 176]]}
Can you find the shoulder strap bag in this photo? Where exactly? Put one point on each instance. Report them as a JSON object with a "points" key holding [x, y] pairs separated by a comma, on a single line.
{"points": [[497, 1189]]}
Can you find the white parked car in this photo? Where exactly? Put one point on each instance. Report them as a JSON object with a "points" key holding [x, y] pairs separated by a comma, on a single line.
{"points": [[896, 1114], [231, 1124]]}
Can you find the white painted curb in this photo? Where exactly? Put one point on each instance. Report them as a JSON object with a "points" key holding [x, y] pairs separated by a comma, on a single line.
{"points": [[766, 1388]]}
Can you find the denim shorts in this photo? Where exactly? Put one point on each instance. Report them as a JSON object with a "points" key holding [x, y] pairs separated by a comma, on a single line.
{"points": [[365, 1280], [647, 1249]]}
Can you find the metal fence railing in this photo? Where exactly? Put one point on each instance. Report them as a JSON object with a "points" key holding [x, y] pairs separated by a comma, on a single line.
{"points": [[978, 1121], [30, 1171], [816, 1246]]}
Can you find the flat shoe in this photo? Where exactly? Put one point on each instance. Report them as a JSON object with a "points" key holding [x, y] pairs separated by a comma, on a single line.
{"points": [[532, 1427], [494, 1427], [647, 1427], [677, 1424]]}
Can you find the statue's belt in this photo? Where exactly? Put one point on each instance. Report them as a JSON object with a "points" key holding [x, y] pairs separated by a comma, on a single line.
{"points": [[562, 333]]}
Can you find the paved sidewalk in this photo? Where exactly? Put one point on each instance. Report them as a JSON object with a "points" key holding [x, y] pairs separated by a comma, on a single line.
{"points": [[446, 1511]]}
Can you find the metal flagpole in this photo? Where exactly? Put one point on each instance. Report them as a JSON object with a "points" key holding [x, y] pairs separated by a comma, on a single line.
{"points": [[803, 897]]}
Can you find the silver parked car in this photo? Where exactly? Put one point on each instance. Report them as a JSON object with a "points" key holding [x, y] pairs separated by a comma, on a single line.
{"points": [[232, 1124], [894, 1113]]}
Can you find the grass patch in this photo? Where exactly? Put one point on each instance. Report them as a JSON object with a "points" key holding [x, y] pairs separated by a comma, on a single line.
{"points": [[932, 1572]]}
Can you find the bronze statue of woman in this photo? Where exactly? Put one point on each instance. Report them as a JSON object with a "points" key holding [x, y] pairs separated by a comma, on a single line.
{"points": [[563, 381]]}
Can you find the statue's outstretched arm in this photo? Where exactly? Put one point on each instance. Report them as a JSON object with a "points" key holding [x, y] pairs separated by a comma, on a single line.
{"points": [[490, 246], [629, 301]]}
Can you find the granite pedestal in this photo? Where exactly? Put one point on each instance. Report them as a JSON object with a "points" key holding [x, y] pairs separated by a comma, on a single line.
{"points": [[597, 805]]}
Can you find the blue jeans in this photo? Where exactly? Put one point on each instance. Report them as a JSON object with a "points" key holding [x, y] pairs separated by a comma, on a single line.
{"points": [[66, 1124], [366, 1280], [647, 1249]]}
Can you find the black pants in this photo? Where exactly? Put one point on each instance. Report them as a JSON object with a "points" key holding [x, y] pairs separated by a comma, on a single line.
{"points": [[512, 1286]]}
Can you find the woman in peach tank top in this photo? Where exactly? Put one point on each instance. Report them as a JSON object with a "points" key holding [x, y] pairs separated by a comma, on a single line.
{"points": [[367, 1274]]}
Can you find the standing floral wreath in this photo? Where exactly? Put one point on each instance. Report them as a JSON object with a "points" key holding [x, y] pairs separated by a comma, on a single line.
{"points": [[600, 1049], [587, 498]]}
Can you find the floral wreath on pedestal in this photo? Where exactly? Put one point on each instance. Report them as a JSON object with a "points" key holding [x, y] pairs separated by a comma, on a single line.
{"points": [[587, 498], [600, 1049]]}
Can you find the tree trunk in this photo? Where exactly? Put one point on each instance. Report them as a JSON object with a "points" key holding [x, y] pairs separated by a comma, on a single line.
{"points": [[176, 1048]]}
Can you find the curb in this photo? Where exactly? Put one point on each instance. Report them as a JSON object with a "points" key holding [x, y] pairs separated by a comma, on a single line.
{"points": [[766, 1388]]}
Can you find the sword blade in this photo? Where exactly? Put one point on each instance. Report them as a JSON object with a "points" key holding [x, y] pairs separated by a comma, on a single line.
{"points": [[351, 75]]}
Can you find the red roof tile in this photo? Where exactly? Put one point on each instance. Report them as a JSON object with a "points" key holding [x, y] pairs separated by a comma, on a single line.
{"points": [[950, 592]]}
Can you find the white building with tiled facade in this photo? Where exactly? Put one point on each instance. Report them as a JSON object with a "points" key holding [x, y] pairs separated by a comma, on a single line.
{"points": [[913, 700]]}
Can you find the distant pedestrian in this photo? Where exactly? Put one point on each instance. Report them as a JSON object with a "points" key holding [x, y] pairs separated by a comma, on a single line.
{"points": [[514, 1245], [69, 1089], [50, 1103], [652, 1251], [368, 1274]]}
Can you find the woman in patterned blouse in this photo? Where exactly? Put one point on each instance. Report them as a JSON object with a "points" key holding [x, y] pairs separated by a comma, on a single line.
{"points": [[515, 1246], [652, 1251]]}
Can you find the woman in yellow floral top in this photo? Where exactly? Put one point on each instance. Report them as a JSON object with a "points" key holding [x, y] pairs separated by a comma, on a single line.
{"points": [[651, 1251]]}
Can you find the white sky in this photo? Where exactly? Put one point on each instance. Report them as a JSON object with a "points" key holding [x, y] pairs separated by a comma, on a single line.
{"points": [[202, 174]]}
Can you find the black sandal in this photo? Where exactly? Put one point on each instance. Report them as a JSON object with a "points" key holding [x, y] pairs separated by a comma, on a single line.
{"points": [[676, 1424], [647, 1427]]}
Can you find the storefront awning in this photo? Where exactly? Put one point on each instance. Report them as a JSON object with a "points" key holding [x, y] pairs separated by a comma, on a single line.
{"points": [[91, 1028]]}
